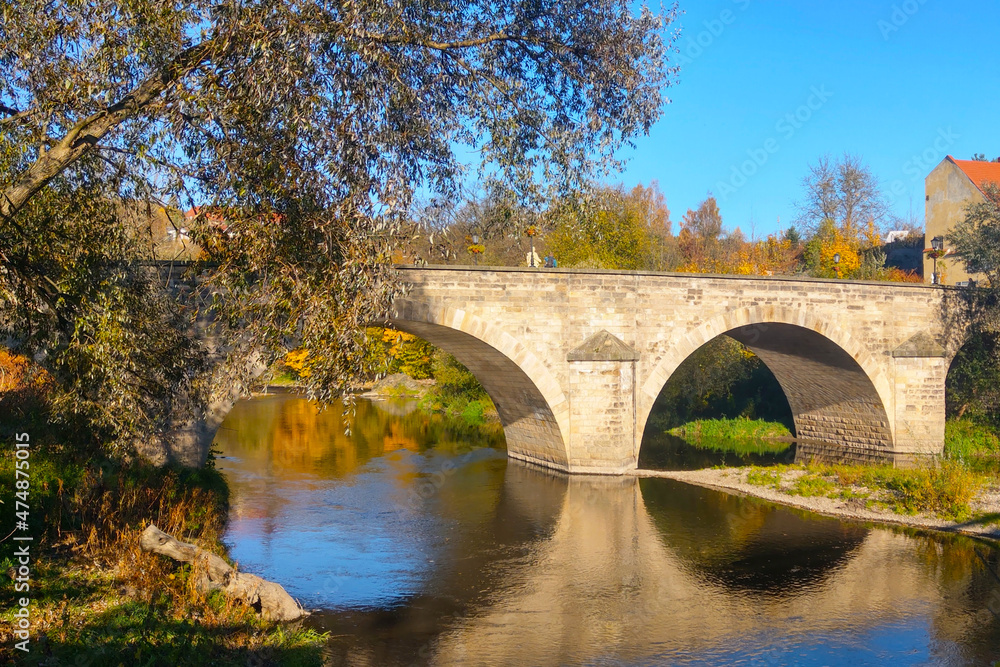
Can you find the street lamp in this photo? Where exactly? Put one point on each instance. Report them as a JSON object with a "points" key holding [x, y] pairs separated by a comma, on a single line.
{"points": [[531, 232], [475, 249], [937, 245], [836, 263]]}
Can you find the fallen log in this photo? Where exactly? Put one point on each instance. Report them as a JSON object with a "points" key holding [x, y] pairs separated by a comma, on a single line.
{"points": [[213, 573]]}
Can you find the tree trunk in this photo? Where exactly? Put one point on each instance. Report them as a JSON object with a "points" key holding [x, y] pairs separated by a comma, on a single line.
{"points": [[213, 573]]}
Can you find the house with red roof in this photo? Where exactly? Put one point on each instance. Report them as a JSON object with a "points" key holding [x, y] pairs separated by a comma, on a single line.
{"points": [[950, 188]]}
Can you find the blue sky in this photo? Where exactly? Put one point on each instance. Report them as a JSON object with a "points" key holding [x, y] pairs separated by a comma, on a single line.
{"points": [[769, 86]]}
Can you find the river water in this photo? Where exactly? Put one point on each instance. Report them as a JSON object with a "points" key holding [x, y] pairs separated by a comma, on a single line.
{"points": [[416, 541]]}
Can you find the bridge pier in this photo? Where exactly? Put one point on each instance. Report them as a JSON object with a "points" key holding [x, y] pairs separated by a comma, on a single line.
{"points": [[921, 369], [603, 434], [574, 360]]}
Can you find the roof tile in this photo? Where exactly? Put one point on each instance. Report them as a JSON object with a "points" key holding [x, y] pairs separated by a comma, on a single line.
{"points": [[978, 172]]}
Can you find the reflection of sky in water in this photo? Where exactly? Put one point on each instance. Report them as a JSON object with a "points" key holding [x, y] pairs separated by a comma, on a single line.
{"points": [[903, 643], [367, 539], [411, 542], [348, 544]]}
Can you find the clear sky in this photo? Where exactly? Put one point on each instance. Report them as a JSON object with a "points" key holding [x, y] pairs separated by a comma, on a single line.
{"points": [[769, 86]]}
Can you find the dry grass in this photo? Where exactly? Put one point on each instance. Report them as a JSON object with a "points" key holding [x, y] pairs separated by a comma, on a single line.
{"points": [[99, 599], [945, 490]]}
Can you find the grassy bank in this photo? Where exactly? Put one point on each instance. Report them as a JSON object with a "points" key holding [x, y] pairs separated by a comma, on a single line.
{"points": [[734, 435], [974, 444], [945, 491], [97, 599]]}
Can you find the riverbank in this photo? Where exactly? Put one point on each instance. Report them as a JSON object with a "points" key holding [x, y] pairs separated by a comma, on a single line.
{"points": [[96, 598], [474, 407], [847, 501]]}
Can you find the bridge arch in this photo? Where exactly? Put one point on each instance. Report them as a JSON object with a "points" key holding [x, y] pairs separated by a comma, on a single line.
{"points": [[533, 409], [838, 393]]}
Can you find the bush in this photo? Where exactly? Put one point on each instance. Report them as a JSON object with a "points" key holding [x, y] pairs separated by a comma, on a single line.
{"points": [[764, 477], [93, 505], [473, 413], [454, 379], [945, 490], [965, 439], [732, 429], [810, 485]]}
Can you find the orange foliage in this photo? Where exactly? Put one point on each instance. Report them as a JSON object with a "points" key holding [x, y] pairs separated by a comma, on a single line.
{"points": [[22, 383], [899, 276]]}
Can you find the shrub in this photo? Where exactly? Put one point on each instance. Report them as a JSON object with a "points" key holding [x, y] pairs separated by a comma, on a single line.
{"points": [[764, 477], [473, 413], [812, 484], [965, 439], [945, 490]]}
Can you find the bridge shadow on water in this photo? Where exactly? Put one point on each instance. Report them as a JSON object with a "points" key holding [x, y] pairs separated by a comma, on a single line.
{"points": [[414, 548], [670, 570]]}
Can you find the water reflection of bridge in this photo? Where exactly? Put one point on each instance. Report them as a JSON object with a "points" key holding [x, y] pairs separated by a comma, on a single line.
{"points": [[591, 569]]}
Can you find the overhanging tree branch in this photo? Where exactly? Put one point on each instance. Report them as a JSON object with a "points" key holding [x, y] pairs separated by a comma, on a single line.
{"points": [[83, 137]]}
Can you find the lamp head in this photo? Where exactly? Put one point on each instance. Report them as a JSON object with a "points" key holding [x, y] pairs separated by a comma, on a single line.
{"points": [[937, 243]]}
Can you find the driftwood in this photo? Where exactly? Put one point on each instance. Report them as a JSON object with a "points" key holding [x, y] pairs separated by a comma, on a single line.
{"points": [[213, 573]]}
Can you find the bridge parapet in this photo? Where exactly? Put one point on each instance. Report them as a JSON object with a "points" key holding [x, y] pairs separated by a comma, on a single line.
{"points": [[830, 344], [574, 360]]}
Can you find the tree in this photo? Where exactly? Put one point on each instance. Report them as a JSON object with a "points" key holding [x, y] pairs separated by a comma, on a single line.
{"points": [[844, 192], [705, 222], [444, 230], [297, 132], [976, 239], [609, 228], [698, 239]]}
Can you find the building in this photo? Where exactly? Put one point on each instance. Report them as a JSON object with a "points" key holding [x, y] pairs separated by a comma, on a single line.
{"points": [[950, 188]]}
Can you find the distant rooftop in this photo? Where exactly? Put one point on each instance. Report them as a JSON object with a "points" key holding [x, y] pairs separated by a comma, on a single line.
{"points": [[978, 172]]}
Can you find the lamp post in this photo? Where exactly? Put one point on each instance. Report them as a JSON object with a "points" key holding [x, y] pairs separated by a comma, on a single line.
{"points": [[531, 232], [475, 249], [937, 245], [836, 263]]}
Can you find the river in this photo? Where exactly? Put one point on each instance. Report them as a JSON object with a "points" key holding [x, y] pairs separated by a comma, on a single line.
{"points": [[415, 541]]}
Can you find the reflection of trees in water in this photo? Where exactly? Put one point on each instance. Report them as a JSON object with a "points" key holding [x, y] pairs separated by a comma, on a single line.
{"points": [[746, 545], [970, 569], [294, 436], [526, 561]]}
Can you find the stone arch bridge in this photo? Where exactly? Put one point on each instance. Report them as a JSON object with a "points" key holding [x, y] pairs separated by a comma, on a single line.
{"points": [[574, 359]]}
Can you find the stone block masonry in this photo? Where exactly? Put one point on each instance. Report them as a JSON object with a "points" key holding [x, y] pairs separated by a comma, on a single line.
{"points": [[574, 359]]}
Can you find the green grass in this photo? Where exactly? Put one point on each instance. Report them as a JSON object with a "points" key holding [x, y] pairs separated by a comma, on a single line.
{"points": [[945, 490], [284, 378], [770, 477], [966, 440], [99, 600], [732, 429], [811, 485]]}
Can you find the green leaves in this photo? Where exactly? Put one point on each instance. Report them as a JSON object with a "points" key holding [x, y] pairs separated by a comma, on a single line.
{"points": [[296, 134]]}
